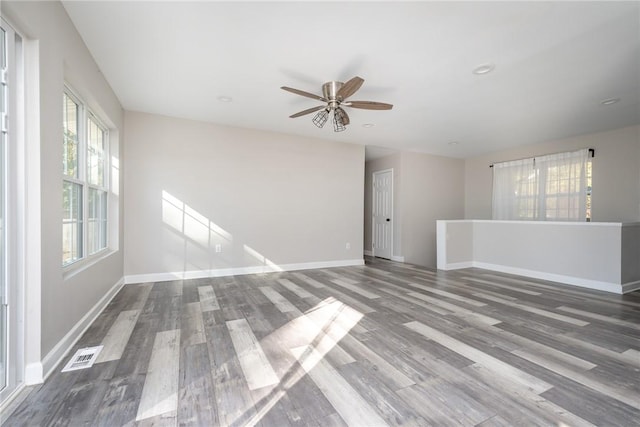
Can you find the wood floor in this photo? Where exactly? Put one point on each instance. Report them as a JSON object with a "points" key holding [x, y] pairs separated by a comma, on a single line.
{"points": [[381, 344]]}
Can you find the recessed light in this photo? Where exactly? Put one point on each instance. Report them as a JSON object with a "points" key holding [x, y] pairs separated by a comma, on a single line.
{"points": [[484, 69], [609, 101], [453, 143], [368, 125], [225, 99]]}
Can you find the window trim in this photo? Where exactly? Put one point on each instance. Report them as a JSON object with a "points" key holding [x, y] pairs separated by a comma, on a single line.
{"points": [[84, 115]]}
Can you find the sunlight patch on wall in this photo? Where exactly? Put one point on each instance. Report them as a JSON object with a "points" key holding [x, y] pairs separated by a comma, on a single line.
{"points": [[198, 243], [191, 223], [261, 258]]}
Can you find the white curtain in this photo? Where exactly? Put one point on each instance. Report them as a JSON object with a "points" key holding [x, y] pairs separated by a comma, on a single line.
{"points": [[515, 188], [552, 188]]}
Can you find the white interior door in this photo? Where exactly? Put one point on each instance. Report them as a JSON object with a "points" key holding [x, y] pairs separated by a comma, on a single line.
{"points": [[383, 213]]}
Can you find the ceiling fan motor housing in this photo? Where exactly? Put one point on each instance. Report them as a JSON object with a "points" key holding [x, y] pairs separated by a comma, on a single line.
{"points": [[330, 91]]}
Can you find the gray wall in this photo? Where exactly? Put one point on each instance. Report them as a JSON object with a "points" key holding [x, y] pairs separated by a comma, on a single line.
{"points": [[616, 174], [630, 253], [62, 57], [426, 188], [263, 197], [555, 248]]}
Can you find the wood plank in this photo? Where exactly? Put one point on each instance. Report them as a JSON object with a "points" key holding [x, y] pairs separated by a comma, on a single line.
{"points": [[535, 310], [353, 302], [208, 299], [390, 374], [509, 288], [254, 363], [196, 401], [457, 310], [626, 395], [192, 324], [497, 366], [544, 349], [160, 392], [353, 409], [460, 409], [308, 280], [234, 404], [300, 292], [116, 339], [446, 294], [596, 316], [531, 401], [354, 288], [278, 300]]}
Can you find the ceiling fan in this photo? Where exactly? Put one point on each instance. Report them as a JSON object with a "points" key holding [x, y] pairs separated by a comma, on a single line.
{"points": [[335, 95]]}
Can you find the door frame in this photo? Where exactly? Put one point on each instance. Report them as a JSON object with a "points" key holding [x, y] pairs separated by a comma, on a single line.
{"points": [[15, 220], [373, 199]]}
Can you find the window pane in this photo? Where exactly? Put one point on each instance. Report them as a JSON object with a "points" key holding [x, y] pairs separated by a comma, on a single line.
{"points": [[71, 222], [95, 153], [97, 220], [70, 123]]}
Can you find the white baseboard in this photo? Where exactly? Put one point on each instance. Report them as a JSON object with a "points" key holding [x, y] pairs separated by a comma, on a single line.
{"points": [[615, 288], [457, 265], [630, 287], [203, 274], [33, 373], [368, 252], [37, 374], [11, 403]]}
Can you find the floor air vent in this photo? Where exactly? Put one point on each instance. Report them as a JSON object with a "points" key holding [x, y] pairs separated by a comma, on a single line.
{"points": [[83, 358]]}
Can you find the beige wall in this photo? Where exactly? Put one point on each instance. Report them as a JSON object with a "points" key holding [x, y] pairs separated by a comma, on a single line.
{"points": [[264, 198], [433, 189], [426, 188], [616, 174], [59, 55]]}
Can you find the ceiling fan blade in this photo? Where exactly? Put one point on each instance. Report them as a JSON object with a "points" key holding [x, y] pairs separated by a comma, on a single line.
{"points": [[308, 111], [369, 105], [349, 88], [303, 93], [345, 116]]}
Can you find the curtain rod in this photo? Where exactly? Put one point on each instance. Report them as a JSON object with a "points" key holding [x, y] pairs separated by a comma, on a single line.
{"points": [[592, 151]]}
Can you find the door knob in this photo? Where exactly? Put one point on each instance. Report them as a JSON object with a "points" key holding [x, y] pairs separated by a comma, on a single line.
{"points": [[388, 219]]}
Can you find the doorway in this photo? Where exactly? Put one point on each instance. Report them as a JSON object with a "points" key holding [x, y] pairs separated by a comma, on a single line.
{"points": [[382, 209]]}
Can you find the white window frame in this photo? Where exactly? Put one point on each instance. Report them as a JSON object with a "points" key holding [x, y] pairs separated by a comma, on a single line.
{"points": [[532, 205], [84, 115], [15, 212]]}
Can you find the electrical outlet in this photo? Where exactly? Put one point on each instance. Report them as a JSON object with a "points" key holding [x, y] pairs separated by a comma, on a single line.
{"points": [[348, 245], [218, 248]]}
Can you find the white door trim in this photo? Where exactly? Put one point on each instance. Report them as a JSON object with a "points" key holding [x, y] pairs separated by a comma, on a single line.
{"points": [[373, 199]]}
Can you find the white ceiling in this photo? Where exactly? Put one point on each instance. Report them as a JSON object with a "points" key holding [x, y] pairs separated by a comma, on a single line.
{"points": [[554, 64]]}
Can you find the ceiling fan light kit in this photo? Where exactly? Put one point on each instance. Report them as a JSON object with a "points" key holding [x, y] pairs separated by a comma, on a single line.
{"points": [[339, 120], [321, 118], [334, 94]]}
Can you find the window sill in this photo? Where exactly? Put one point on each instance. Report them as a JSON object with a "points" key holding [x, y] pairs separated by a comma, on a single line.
{"points": [[79, 266]]}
